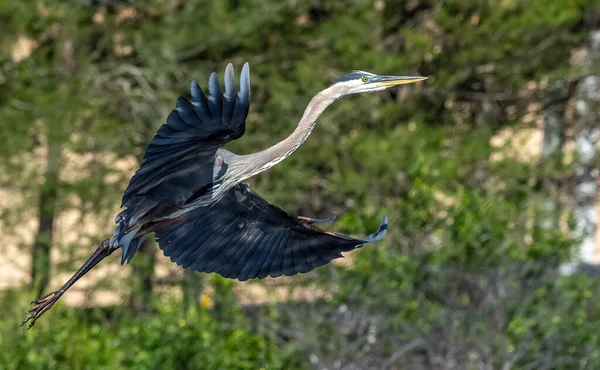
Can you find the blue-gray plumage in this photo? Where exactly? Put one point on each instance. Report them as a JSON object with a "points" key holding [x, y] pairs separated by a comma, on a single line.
{"points": [[189, 192], [243, 236]]}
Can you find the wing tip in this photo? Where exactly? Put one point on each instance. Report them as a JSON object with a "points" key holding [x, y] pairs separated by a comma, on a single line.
{"points": [[380, 233], [245, 80], [324, 220], [229, 79], [213, 85]]}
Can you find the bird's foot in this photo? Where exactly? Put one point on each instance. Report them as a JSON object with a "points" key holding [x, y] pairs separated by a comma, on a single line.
{"points": [[46, 302], [40, 306]]}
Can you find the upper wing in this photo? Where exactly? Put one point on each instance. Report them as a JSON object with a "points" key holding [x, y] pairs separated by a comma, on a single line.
{"points": [[243, 236], [180, 160]]}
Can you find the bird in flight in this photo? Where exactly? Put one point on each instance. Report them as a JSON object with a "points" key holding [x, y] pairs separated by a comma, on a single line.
{"points": [[190, 193]]}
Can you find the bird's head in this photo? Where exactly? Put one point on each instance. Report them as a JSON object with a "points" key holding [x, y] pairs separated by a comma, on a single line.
{"points": [[357, 82]]}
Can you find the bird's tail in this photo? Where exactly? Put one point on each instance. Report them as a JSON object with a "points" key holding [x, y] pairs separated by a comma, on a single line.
{"points": [[123, 239]]}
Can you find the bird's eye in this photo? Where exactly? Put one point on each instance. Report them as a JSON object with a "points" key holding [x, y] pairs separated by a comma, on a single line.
{"points": [[365, 79]]}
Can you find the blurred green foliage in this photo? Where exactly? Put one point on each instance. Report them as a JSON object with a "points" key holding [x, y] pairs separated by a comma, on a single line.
{"points": [[467, 276], [169, 339]]}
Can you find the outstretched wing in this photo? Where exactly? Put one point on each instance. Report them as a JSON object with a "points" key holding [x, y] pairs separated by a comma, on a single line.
{"points": [[180, 161], [244, 237]]}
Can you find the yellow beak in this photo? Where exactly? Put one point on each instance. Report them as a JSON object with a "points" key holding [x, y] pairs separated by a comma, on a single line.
{"points": [[397, 80]]}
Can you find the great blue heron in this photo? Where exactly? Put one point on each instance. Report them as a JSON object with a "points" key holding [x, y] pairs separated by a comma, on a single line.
{"points": [[189, 192]]}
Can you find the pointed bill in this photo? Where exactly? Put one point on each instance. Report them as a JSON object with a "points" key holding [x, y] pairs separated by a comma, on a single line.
{"points": [[396, 80]]}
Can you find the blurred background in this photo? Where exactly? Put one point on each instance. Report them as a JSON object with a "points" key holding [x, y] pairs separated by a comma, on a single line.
{"points": [[488, 172]]}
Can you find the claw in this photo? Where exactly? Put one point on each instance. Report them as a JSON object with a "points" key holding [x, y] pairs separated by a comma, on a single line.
{"points": [[40, 306], [43, 304]]}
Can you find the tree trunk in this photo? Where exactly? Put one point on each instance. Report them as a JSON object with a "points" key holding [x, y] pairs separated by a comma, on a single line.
{"points": [[551, 150], [40, 268], [191, 286], [225, 299], [40, 254], [587, 141], [142, 274]]}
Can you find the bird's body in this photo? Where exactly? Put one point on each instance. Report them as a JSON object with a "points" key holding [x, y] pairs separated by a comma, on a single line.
{"points": [[189, 191]]}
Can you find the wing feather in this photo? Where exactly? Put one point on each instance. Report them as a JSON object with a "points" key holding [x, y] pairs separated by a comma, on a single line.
{"points": [[273, 253], [252, 245], [215, 99], [180, 158], [229, 97], [257, 260], [191, 234], [244, 237]]}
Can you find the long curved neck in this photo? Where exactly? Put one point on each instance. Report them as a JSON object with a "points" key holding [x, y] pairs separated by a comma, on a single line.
{"points": [[263, 160]]}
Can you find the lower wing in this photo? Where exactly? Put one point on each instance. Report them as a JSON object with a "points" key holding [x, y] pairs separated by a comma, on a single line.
{"points": [[244, 237]]}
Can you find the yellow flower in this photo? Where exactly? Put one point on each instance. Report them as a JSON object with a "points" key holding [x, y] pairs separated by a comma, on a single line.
{"points": [[206, 301]]}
